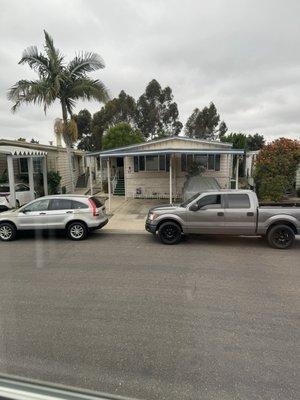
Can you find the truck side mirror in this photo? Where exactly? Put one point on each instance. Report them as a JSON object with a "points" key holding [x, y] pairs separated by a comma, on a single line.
{"points": [[194, 207]]}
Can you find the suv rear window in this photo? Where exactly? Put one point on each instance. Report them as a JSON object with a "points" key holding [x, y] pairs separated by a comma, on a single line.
{"points": [[238, 201], [97, 202], [60, 204], [76, 205]]}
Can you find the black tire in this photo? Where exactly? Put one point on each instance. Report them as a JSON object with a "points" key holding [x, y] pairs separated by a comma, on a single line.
{"points": [[169, 233], [77, 230], [8, 231], [281, 237]]}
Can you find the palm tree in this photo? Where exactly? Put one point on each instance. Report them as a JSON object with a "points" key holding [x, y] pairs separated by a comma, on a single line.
{"points": [[57, 80]]}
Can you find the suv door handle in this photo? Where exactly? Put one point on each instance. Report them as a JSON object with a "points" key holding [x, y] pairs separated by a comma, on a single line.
{"points": [[42, 213], [220, 214], [250, 214], [69, 212]]}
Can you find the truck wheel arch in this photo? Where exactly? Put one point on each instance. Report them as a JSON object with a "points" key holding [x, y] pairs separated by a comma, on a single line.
{"points": [[169, 220], [282, 222]]}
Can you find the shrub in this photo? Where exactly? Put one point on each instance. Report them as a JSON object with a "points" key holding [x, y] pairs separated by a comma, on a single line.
{"points": [[53, 182], [195, 169], [276, 167]]}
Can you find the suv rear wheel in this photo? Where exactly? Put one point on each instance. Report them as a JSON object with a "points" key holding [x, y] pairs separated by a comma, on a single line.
{"points": [[169, 233], [7, 231], [77, 231], [281, 237]]}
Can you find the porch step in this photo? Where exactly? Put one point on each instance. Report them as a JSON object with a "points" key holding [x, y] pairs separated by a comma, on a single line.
{"points": [[120, 188]]}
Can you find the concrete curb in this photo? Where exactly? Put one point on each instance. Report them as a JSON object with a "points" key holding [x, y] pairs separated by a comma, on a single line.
{"points": [[124, 231]]}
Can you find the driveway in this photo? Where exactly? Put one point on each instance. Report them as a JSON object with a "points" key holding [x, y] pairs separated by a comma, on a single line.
{"points": [[129, 215]]}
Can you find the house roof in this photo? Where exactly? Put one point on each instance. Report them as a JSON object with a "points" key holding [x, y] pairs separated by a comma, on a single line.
{"points": [[36, 146], [21, 151], [125, 150]]}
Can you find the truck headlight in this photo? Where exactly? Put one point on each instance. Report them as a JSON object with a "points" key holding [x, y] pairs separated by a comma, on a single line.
{"points": [[152, 216]]}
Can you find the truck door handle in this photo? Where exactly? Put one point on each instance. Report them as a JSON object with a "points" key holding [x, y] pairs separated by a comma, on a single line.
{"points": [[250, 214], [220, 214]]}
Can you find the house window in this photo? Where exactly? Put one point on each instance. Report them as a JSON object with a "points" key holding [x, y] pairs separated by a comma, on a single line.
{"points": [[37, 165], [217, 162], [151, 163], [136, 164], [23, 165], [201, 159], [142, 163], [73, 162], [211, 161], [162, 163]]}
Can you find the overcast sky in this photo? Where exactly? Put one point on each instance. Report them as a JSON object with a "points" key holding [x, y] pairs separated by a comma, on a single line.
{"points": [[242, 55]]}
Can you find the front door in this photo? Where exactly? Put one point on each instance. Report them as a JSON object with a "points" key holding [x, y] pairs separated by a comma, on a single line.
{"points": [[120, 167], [208, 216], [34, 216]]}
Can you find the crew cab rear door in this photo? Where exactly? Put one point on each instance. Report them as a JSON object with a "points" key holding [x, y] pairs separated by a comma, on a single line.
{"points": [[240, 214], [209, 215]]}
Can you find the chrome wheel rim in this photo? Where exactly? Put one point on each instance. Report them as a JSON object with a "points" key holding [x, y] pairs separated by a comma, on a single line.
{"points": [[283, 237], [77, 231], [5, 232]]}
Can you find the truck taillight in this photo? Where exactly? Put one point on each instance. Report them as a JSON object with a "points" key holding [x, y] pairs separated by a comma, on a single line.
{"points": [[93, 207]]}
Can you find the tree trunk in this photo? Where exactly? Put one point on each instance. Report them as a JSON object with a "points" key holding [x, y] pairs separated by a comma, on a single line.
{"points": [[68, 141]]}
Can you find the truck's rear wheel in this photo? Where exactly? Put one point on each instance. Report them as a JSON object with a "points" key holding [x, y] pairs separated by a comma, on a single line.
{"points": [[281, 237], [169, 233]]}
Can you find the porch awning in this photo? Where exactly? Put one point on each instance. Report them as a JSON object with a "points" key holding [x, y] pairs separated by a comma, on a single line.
{"points": [[136, 152], [21, 151]]}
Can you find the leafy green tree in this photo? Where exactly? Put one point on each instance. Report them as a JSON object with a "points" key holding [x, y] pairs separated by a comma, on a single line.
{"points": [[156, 112], [255, 142], [202, 124], [276, 167], [238, 140], [58, 81], [120, 135], [222, 130]]}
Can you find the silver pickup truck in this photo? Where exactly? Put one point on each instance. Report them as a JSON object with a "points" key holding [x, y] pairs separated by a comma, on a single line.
{"points": [[226, 212]]}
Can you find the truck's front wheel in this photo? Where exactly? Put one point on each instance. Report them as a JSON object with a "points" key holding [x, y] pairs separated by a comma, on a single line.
{"points": [[169, 233], [281, 237]]}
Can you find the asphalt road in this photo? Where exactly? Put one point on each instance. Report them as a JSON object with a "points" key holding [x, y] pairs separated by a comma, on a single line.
{"points": [[213, 318]]}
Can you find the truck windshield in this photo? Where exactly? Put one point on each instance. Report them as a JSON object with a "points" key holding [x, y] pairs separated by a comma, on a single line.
{"points": [[185, 203]]}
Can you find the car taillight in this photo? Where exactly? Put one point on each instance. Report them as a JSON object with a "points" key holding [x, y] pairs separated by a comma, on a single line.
{"points": [[93, 207]]}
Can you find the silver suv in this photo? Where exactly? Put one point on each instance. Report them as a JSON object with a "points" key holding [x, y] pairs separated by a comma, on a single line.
{"points": [[75, 213]]}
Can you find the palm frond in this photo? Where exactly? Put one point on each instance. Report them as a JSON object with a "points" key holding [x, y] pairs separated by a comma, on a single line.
{"points": [[88, 89], [25, 92], [85, 62], [54, 55], [35, 60]]}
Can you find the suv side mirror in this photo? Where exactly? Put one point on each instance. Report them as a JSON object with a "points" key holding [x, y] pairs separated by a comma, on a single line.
{"points": [[194, 207]]}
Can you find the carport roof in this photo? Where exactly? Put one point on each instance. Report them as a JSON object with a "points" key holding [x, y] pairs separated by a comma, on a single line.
{"points": [[21, 151], [137, 152]]}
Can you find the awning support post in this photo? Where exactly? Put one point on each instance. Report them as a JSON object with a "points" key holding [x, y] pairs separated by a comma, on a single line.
{"points": [[91, 176], [30, 176], [11, 179], [108, 184], [45, 176], [237, 172], [170, 170]]}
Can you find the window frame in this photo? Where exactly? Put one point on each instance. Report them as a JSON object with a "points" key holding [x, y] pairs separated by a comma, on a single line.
{"points": [[213, 208], [37, 201], [59, 209]]}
